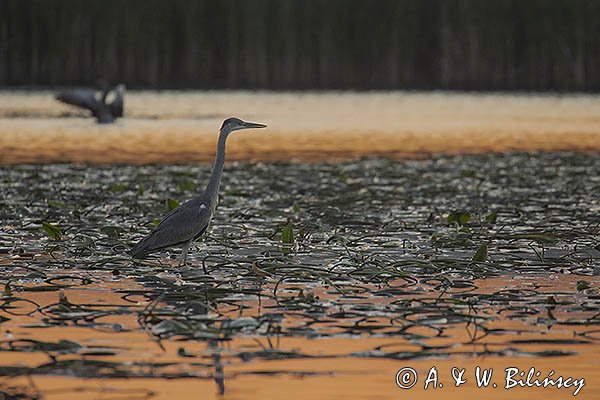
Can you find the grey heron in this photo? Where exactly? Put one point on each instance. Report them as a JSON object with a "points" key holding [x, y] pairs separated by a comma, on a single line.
{"points": [[89, 99], [186, 223]]}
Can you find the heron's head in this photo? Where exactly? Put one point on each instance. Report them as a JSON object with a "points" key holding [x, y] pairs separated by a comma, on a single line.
{"points": [[235, 124]]}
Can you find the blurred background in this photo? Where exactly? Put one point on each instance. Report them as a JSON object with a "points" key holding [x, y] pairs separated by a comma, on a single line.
{"points": [[415, 77], [303, 44]]}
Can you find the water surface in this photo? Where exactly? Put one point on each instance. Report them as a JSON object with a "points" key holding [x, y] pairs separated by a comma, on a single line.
{"points": [[386, 271]]}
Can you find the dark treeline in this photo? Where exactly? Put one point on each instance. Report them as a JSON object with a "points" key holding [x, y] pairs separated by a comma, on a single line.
{"points": [[303, 44]]}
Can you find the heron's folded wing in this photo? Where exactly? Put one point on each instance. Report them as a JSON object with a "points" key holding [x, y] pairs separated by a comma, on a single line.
{"points": [[83, 98], [181, 225]]}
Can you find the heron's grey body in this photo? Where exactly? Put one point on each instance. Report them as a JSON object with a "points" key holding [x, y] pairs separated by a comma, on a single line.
{"points": [[188, 222], [96, 102]]}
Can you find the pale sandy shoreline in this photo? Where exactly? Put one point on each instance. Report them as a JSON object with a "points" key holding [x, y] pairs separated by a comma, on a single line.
{"points": [[181, 127]]}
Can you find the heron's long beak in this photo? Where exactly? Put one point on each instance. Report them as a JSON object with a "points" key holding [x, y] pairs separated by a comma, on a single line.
{"points": [[253, 125]]}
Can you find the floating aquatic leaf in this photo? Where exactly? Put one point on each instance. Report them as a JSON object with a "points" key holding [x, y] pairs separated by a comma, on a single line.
{"points": [[536, 237], [35, 275], [118, 188], [52, 230], [481, 254], [68, 346], [287, 234], [23, 210], [459, 217], [582, 285], [182, 352], [259, 271], [62, 298], [112, 231], [46, 288], [171, 204], [242, 322], [491, 217]]}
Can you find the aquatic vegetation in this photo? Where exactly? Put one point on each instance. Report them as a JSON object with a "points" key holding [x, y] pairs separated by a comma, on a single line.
{"points": [[52, 230], [419, 255]]}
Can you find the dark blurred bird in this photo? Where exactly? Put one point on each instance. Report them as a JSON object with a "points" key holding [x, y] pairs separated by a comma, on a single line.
{"points": [[96, 101], [188, 222]]}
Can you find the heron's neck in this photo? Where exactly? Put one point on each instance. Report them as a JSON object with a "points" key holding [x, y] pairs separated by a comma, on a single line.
{"points": [[215, 178]]}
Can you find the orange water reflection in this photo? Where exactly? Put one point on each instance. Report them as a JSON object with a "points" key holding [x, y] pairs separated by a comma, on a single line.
{"points": [[334, 369]]}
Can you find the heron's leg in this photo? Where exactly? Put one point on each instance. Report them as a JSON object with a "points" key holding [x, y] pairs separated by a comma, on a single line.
{"points": [[186, 247]]}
